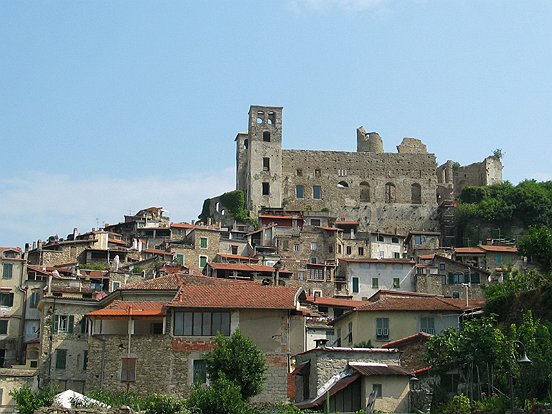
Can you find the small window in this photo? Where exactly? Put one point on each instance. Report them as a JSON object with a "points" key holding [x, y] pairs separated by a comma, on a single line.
{"points": [[316, 192], [7, 272], [382, 254], [317, 293], [3, 326], [396, 282], [416, 193], [377, 389], [61, 358], [355, 285], [180, 259], [361, 251], [202, 261], [234, 249], [266, 136], [266, 164], [200, 371], [128, 369], [427, 325], [330, 249], [390, 193], [245, 143], [313, 246], [442, 266], [64, 323], [380, 238], [313, 261], [317, 172], [342, 172], [266, 189], [85, 360], [203, 242], [364, 192], [350, 334], [395, 240], [6, 299], [382, 328], [498, 260], [315, 222], [116, 285], [271, 118], [260, 117], [296, 247], [157, 328], [456, 295], [375, 283], [396, 255], [348, 250], [299, 191], [301, 275], [33, 300], [342, 184], [299, 172]]}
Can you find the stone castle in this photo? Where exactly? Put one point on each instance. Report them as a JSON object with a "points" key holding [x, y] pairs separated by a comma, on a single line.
{"points": [[395, 192]]}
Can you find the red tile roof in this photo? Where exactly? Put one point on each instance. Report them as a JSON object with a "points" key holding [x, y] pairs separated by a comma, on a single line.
{"points": [[194, 227], [370, 369], [238, 296], [343, 303], [499, 249], [174, 280], [469, 250], [346, 223], [125, 309], [395, 344], [328, 228], [244, 267], [263, 216], [416, 304], [157, 251], [237, 257], [115, 241]]}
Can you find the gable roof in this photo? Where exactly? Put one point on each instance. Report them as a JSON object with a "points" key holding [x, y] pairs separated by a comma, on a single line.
{"points": [[245, 267], [420, 336], [124, 309], [173, 281], [241, 295], [499, 249], [342, 303]]}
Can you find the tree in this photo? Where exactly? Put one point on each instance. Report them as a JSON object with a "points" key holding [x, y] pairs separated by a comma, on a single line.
{"points": [[238, 360], [222, 396], [538, 245], [28, 401]]}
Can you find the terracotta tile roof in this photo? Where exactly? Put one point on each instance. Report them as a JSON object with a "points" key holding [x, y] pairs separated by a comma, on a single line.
{"points": [[266, 216], [498, 249], [194, 227], [426, 256], [237, 257], [370, 369], [115, 241], [173, 281], [386, 261], [343, 303], [469, 250], [416, 304], [346, 223], [17, 249], [395, 344], [244, 267], [125, 309], [238, 296]]}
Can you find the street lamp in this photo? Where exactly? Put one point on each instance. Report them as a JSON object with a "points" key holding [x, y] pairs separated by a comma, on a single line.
{"points": [[524, 360]]}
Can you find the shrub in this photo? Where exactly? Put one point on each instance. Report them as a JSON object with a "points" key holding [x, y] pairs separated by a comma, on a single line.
{"points": [[28, 401], [164, 404], [221, 397], [460, 404]]}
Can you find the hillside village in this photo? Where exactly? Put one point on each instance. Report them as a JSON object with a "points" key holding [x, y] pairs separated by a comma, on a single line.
{"points": [[338, 265]]}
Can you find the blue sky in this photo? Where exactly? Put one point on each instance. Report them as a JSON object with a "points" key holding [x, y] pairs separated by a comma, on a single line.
{"points": [[111, 106]]}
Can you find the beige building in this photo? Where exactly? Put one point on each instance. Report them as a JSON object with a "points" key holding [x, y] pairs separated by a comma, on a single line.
{"points": [[13, 270], [392, 315]]}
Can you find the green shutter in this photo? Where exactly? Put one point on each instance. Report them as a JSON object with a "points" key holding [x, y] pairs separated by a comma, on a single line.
{"points": [[56, 323], [355, 284], [61, 358], [70, 323]]}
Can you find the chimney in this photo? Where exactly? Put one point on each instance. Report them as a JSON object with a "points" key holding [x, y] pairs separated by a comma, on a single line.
{"points": [[75, 233]]}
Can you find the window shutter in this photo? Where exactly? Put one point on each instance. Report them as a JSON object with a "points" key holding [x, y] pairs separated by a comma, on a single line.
{"points": [[70, 323], [56, 323]]}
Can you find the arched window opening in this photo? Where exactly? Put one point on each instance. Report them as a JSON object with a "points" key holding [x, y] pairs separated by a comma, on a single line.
{"points": [[342, 184], [416, 193], [364, 192], [390, 193]]}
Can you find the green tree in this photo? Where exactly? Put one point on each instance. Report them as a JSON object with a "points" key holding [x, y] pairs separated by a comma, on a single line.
{"points": [[28, 401], [237, 359], [538, 245]]}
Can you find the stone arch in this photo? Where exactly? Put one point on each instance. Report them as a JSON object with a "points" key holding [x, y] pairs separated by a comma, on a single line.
{"points": [[390, 193], [342, 184], [416, 193], [364, 192]]}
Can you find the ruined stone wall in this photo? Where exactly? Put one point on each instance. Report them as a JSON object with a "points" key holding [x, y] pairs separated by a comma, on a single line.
{"points": [[342, 175], [486, 172]]}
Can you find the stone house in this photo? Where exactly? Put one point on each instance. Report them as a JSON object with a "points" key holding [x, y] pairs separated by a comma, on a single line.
{"points": [[13, 269], [12, 379], [422, 242], [443, 276], [387, 246], [197, 245], [348, 376], [364, 277], [392, 315], [412, 350], [495, 259], [247, 271], [181, 330]]}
